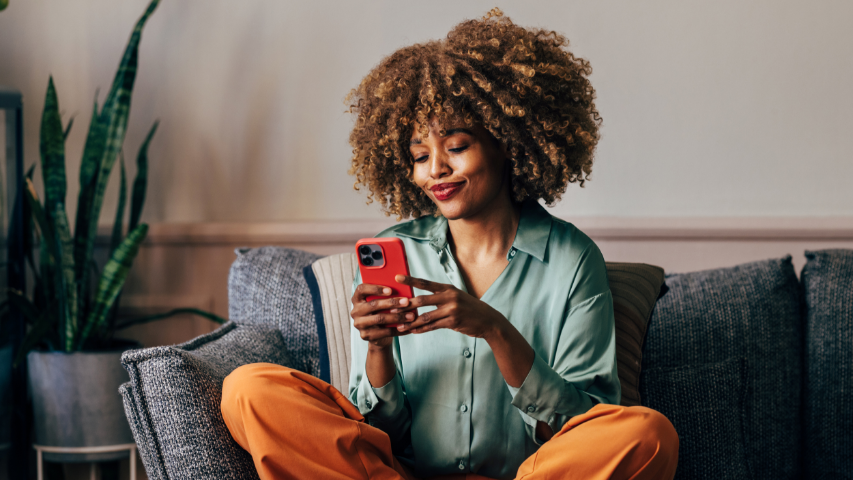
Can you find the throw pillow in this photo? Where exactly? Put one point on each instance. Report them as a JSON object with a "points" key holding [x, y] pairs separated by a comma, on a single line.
{"points": [[749, 311], [828, 281], [635, 288]]}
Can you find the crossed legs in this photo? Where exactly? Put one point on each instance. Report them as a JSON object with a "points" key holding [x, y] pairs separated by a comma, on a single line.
{"points": [[297, 426]]}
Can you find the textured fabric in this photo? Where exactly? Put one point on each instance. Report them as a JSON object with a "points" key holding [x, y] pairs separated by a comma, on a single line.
{"points": [[172, 401], [266, 286], [283, 417], [635, 288], [712, 316], [828, 281], [457, 405], [334, 276], [711, 427]]}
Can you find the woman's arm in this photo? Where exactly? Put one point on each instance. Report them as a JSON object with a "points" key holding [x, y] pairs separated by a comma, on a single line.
{"points": [[514, 357]]}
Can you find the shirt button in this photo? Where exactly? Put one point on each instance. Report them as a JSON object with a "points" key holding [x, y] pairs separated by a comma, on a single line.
{"points": [[466, 353], [531, 408], [461, 464], [464, 408]]}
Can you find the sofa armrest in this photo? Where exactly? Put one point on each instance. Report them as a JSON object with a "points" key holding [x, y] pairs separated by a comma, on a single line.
{"points": [[172, 401]]}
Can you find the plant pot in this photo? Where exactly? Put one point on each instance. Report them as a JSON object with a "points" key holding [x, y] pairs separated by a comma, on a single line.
{"points": [[76, 402], [5, 397]]}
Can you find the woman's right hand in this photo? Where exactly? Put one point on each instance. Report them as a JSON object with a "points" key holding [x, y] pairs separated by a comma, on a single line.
{"points": [[371, 323]]}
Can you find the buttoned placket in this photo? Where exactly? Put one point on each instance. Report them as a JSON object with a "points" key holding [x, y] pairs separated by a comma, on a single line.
{"points": [[451, 269]]}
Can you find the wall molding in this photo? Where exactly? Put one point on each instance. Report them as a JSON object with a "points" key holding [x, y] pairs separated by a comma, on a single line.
{"points": [[598, 228]]}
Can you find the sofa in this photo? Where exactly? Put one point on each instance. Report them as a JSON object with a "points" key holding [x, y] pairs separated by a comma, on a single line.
{"points": [[753, 366]]}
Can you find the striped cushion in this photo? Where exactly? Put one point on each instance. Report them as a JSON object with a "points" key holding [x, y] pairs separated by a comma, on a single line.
{"points": [[635, 287]]}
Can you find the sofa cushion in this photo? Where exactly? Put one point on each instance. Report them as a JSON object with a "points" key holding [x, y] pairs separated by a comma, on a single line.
{"points": [[173, 397], [749, 311], [266, 286], [330, 282], [828, 281], [635, 287], [707, 416]]}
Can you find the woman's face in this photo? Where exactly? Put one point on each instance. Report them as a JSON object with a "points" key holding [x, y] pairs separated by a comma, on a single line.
{"points": [[463, 172]]}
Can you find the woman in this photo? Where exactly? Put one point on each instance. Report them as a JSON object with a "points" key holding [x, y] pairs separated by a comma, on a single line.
{"points": [[504, 365]]}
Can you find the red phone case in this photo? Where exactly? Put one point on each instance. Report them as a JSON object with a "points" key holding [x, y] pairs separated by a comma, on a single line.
{"points": [[394, 254]]}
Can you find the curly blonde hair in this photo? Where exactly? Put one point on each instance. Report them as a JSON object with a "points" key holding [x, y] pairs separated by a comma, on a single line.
{"points": [[528, 91]]}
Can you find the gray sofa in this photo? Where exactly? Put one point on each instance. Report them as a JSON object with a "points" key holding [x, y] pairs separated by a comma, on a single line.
{"points": [[753, 367]]}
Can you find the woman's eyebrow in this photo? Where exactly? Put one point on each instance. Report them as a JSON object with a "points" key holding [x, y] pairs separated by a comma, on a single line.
{"points": [[452, 131]]}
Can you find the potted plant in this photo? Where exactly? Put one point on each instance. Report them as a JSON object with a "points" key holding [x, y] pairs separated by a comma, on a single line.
{"points": [[73, 357]]}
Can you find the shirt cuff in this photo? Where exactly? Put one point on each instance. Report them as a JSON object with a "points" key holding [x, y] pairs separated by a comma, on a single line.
{"points": [[382, 402], [538, 397]]}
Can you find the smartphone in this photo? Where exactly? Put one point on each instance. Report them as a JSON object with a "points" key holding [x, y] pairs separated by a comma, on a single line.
{"points": [[379, 261]]}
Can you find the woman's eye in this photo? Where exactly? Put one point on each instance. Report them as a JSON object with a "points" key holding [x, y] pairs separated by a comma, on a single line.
{"points": [[459, 149], [421, 158]]}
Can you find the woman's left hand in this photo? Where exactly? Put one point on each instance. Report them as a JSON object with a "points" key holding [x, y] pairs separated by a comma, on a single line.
{"points": [[455, 310]]}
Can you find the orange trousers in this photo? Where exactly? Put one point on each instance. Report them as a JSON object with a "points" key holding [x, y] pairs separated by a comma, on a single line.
{"points": [[297, 426]]}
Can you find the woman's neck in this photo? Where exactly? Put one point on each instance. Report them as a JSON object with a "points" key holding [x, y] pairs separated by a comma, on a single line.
{"points": [[486, 235]]}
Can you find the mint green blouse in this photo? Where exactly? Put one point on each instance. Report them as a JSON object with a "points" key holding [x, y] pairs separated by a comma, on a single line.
{"points": [[448, 409]]}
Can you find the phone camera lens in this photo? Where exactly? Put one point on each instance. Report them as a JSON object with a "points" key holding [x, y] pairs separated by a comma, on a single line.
{"points": [[377, 255], [364, 250], [367, 261]]}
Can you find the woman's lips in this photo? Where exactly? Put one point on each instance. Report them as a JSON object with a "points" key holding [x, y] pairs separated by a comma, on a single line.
{"points": [[443, 191]]}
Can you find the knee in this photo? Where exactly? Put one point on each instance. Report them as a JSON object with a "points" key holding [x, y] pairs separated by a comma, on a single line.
{"points": [[249, 382], [655, 433]]}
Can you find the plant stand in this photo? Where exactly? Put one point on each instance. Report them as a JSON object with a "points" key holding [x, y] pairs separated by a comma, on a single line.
{"points": [[41, 449]]}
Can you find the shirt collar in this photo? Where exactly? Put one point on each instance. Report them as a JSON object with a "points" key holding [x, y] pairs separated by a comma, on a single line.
{"points": [[534, 228]]}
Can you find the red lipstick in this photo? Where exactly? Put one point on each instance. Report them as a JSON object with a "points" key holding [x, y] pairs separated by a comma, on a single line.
{"points": [[443, 191]]}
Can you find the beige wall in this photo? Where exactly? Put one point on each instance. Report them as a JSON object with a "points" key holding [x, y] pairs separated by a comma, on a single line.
{"points": [[724, 108]]}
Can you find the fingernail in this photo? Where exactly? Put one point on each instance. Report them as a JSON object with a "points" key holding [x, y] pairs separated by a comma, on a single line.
{"points": [[410, 316], [386, 291], [394, 310], [401, 327], [404, 301]]}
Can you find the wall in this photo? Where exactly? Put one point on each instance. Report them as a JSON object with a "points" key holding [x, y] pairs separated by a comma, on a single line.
{"points": [[723, 108]]}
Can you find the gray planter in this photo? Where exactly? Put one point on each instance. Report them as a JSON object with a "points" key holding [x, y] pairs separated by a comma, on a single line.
{"points": [[76, 402], [5, 397]]}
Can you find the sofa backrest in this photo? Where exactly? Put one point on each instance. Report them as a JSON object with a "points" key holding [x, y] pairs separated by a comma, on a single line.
{"points": [[266, 287]]}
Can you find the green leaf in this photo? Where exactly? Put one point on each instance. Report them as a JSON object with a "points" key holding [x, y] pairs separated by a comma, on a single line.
{"points": [[4, 4], [113, 118], [21, 303], [29, 243], [140, 183], [112, 279], [67, 129], [66, 287], [118, 224], [90, 164], [45, 227], [42, 327], [52, 148]]}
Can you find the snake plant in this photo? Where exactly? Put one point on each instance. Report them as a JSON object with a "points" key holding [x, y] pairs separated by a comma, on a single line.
{"points": [[73, 306]]}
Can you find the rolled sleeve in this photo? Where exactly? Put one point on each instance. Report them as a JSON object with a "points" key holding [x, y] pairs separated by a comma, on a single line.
{"points": [[584, 371]]}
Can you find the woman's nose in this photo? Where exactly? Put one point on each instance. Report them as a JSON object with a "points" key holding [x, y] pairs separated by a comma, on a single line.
{"points": [[438, 166]]}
